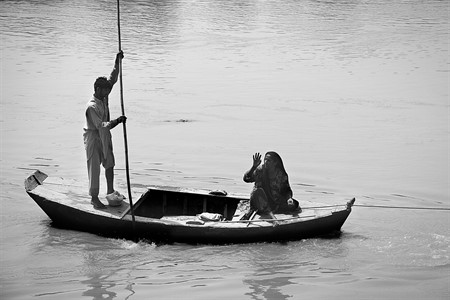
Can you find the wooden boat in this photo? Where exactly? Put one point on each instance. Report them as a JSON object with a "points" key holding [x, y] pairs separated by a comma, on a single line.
{"points": [[168, 214]]}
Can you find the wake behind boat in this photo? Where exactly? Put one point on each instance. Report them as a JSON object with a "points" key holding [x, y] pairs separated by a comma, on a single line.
{"points": [[171, 214]]}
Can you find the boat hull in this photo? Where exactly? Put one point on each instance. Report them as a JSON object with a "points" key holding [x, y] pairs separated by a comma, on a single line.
{"points": [[118, 224]]}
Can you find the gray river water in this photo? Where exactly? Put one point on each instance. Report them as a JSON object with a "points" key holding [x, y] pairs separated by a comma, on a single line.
{"points": [[354, 96]]}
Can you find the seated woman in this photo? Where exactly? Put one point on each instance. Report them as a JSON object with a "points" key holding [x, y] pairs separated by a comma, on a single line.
{"points": [[271, 192]]}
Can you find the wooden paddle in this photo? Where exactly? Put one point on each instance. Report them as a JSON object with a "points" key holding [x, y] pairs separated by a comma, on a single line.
{"points": [[124, 124]]}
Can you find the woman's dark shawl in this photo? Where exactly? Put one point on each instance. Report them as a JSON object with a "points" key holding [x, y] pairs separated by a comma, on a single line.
{"points": [[275, 183]]}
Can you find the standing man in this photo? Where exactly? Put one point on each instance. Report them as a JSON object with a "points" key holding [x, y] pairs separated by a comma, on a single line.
{"points": [[97, 137]]}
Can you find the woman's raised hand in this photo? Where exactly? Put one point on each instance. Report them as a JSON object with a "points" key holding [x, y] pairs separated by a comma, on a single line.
{"points": [[256, 160]]}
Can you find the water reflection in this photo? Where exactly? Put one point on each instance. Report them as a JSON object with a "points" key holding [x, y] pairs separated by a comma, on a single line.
{"points": [[271, 271], [263, 283], [99, 288], [107, 266], [275, 267]]}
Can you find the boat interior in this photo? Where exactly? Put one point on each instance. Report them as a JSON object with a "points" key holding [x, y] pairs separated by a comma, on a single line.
{"points": [[167, 203]]}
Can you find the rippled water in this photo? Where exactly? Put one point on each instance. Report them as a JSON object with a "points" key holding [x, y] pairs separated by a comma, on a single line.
{"points": [[352, 94]]}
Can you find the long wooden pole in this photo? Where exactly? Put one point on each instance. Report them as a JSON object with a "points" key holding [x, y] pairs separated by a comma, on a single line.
{"points": [[124, 123]]}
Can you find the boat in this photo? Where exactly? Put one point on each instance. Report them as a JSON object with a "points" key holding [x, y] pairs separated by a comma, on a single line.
{"points": [[178, 215]]}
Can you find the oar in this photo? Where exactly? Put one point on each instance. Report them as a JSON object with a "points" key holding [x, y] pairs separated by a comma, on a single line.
{"points": [[124, 124]]}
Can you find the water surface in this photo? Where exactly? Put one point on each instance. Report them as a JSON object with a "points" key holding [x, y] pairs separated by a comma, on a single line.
{"points": [[352, 94]]}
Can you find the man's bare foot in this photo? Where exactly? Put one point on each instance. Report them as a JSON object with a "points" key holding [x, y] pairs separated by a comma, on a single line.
{"points": [[97, 203]]}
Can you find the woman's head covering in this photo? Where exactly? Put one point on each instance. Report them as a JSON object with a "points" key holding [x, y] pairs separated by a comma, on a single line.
{"points": [[275, 180]]}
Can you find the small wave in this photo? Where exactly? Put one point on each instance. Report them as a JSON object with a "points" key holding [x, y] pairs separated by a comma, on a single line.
{"points": [[179, 121], [131, 245], [440, 237], [42, 165]]}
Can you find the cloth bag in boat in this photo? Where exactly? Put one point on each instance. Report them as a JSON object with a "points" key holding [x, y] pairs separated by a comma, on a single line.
{"points": [[210, 217]]}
